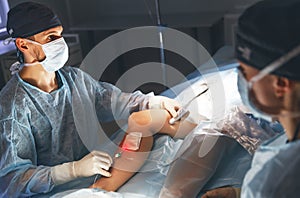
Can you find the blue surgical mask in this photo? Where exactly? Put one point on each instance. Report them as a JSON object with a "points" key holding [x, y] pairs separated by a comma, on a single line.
{"points": [[244, 87]]}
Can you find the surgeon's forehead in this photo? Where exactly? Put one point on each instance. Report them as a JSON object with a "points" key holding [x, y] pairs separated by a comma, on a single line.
{"points": [[54, 30]]}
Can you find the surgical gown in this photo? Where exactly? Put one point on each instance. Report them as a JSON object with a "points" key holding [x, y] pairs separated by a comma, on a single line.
{"points": [[274, 171], [37, 129]]}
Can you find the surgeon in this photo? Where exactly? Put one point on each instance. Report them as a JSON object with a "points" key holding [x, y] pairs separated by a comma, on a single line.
{"points": [[268, 48], [40, 145]]}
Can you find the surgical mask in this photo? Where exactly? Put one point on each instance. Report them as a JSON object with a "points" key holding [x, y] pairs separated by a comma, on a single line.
{"points": [[57, 54], [244, 87]]}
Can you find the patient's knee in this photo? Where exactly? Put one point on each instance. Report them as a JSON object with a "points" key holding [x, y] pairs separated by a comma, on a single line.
{"points": [[147, 121], [142, 118]]}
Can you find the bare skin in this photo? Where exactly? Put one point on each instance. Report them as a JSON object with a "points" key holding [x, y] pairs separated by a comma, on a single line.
{"points": [[148, 123], [36, 75], [225, 192]]}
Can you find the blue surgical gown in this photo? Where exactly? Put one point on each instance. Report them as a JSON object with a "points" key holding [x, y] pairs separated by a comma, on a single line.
{"points": [[37, 129], [275, 170]]}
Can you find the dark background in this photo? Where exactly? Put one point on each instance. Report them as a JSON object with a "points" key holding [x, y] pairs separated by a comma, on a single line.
{"points": [[210, 22]]}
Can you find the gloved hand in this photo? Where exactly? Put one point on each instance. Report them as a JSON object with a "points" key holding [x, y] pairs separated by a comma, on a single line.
{"points": [[162, 102], [96, 162]]}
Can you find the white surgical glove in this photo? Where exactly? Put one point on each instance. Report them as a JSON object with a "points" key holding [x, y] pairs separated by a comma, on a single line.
{"points": [[162, 102], [96, 162]]}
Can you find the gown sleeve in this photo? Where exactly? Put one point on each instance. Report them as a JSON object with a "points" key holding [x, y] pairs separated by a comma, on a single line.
{"points": [[113, 104], [20, 176], [109, 101]]}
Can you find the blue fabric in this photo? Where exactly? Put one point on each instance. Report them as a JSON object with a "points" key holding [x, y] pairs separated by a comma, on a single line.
{"points": [[37, 129], [274, 171]]}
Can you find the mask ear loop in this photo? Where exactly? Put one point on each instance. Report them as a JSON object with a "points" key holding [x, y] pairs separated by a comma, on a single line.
{"points": [[17, 66], [34, 42]]}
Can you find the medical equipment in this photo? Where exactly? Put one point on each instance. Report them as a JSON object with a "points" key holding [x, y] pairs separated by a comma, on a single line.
{"points": [[118, 154], [132, 141], [183, 110]]}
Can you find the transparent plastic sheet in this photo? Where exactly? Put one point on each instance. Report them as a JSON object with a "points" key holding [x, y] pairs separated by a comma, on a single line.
{"points": [[205, 161], [217, 154], [249, 131], [200, 112], [89, 193], [224, 168], [224, 160], [150, 178]]}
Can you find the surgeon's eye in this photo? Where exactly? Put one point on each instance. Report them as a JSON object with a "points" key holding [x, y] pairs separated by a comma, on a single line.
{"points": [[52, 38]]}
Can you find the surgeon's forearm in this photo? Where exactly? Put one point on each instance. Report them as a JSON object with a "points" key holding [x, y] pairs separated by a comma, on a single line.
{"points": [[125, 166]]}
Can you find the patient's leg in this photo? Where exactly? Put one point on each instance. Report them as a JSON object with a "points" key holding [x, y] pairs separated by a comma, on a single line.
{"points": [[191, 171], [129, 162], [125, 166], [148, 123]]}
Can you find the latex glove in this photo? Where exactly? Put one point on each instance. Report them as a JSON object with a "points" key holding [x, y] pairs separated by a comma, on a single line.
{"points": [[162, 102], [96, 162]]}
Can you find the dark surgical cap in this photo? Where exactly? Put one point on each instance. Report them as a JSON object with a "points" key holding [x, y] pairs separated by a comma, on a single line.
{"points": [[29, 18], [267, 31]]}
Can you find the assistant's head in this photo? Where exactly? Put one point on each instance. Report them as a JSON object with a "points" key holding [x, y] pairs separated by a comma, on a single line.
{"points": [[268, 31], [37, 31]]}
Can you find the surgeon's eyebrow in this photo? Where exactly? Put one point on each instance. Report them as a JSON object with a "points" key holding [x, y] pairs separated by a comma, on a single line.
{"points": [[51, 31]]}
